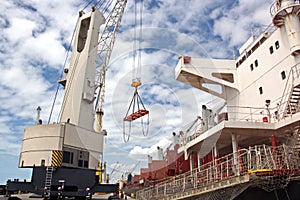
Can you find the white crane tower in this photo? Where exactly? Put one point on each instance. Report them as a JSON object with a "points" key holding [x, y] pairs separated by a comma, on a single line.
{"points": [[59, 153]]}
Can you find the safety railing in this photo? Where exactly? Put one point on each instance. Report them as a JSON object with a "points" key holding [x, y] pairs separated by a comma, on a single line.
{"points": [[235, 113], [275, 7], [255, 159], [284, 103]]}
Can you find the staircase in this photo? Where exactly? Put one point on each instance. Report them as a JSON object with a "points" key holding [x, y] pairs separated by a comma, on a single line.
{"points": [[293, 101], [49, 172]]}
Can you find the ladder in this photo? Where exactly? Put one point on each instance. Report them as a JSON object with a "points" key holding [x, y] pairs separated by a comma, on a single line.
{"points": [[49, 172], [293, 103]]}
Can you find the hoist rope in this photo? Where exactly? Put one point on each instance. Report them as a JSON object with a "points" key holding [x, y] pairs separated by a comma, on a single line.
{"points": [[107, 5], [134, 45], [104, 5], [136, 101], [139, 69], [89, 3], [137, 43], [61, 74]]}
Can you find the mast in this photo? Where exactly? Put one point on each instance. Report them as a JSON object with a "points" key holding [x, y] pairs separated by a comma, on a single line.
{"points": [[285, 15], [77, 107]]}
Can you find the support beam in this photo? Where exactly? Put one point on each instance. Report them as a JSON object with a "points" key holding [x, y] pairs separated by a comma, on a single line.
{"points": [[191, 161], [235, 153], [199, 159]]}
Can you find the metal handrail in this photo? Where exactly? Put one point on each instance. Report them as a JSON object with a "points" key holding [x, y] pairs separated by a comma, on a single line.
{"points": [[287, 92], [275, 7], [253, 160]]}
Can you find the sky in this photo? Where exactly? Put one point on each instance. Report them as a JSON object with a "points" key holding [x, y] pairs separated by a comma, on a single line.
{"points": [[35, 36]]}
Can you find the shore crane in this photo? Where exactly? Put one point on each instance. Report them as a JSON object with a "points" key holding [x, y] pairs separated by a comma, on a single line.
{"points": [[65, 156]]}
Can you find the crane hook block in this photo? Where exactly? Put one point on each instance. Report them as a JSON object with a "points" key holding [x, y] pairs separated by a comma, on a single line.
{"points": [[136, 84], [136, 115]]}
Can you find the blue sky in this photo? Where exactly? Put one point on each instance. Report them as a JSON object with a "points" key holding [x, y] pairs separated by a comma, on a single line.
{"points": [[34, 37]]}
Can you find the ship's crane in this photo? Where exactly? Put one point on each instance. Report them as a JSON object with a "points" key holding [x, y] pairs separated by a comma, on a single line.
{"points": [[106, 44], [128, 173], [65, 155]]}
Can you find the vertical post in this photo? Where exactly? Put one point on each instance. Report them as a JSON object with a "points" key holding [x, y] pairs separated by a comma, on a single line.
{"points": [[249, 159], [183, 181], [215, 157], [38, 115], [227, 167], [235, 153], [98, 121], [191, 161], [196, 178], [199, 160], [104, 172]]}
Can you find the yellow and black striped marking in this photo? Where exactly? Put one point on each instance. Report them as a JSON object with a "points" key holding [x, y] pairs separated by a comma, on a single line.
{"points": [[56, 158]]}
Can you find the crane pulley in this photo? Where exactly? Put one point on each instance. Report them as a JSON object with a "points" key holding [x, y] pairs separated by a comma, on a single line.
{"points": [[136, 108]]}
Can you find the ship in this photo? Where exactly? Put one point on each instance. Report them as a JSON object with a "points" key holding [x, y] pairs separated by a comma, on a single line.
{"points": [[248, 147]]}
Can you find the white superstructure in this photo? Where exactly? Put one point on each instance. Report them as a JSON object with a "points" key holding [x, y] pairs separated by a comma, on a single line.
{"points": [[261, 88]]}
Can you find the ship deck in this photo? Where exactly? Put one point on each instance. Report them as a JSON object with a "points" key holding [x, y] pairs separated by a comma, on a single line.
{"points": [[264, 167], [249, 133]]}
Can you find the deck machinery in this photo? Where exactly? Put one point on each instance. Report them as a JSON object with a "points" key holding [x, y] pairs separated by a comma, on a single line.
{"points": [[65, 156]]}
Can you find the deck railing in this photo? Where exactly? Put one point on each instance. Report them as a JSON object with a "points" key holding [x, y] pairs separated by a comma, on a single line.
{"points": [[275, 7], [266, 159], [234, 113]]}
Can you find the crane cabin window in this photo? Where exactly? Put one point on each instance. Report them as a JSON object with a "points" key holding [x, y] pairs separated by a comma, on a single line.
{"points": [[83, 33]]}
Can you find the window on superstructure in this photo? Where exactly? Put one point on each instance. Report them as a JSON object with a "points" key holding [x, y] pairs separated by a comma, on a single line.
{"points": [[256, 63], [260, 90], [80, 163], [271, 49], [277, 45], [68, 157], [251, 67], [283, 75], [86, 164]]}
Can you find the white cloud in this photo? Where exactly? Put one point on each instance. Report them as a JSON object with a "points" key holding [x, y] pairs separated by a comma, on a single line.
{"points": [[19, 29], [235, 24], [142, 152]]}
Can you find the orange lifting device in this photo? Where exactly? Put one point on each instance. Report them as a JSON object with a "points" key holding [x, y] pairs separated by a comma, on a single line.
{"points": [[138, 110], [136, 99]]}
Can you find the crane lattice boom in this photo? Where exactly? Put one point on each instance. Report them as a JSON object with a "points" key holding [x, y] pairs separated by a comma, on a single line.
{"points": [[105, 44]]}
